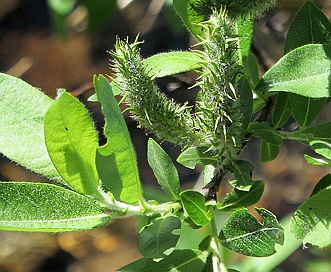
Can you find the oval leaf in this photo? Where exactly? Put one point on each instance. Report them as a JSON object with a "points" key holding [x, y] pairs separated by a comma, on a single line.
{"points": [[42, 207], [116, 161], [242, 233], [71, 142], [195, 207], [163, 168], [195, 155], [166, 64], [310, 222], [156, 238], [22, 110], [304, 71]]}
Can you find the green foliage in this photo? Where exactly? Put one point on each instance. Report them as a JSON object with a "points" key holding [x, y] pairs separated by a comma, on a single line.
{"points": [[164, 170], [41, 207], [244, 234], [71, 141], [116, 160], [57, 139]]}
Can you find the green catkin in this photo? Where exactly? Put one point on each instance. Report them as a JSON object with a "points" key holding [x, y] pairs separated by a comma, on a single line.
{"points": [[218, 103], [160, 115], [236, 8]]}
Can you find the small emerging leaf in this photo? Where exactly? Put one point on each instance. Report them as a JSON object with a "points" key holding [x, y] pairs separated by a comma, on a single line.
{"points": [[164, 170], [42, 207], [195, 207], [242, 233], [156, 238]]}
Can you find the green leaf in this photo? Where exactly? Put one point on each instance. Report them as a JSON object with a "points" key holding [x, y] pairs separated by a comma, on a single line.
{"points": [[71, 141], [264, 131], [164, 170], [247, 96], [324, 183], [322, 148], [311, 221], [42, 207], [320, 132], [195, 207], [308, 26], [239, 199], [282, 110], [178, 261], [305, 109], [22, 110], [304, 71], [115, 89], [166, 64], [242, 171], [269, 151], [116, 161], [156, 238], [190, 16], [196, 155], [251, 69], [242, 233], [245, 33]]}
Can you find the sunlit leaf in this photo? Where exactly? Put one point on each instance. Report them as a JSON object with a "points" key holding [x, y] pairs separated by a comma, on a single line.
{"points": [[170, 63], [311, 221], [42, 207], [304, 71], [22, 110], [116, 160], [196, 155], [195, 207]]}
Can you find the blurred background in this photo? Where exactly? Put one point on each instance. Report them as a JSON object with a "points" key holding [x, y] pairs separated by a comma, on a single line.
{"points": [[62, 44]]}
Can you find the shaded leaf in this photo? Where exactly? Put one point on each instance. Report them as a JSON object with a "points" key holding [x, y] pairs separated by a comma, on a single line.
{"points": [[163, 168], [42, 207], [22, 110], [242, 171], [282, 110], [156, 238], [264, 131], [194, 206], [242, 233], [179, 260], [196, 155], [304, 71], [305, 109], [269, 151], [239, 199], [71, 141], [116, 160]]}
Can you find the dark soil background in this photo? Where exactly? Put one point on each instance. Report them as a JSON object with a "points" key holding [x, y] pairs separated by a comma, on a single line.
{"points": [[30, 49]]}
